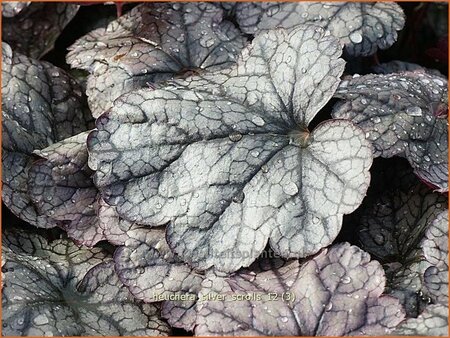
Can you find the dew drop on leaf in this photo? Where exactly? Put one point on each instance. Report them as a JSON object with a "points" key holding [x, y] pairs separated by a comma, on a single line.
{"points": [[356, 37], [414, 111], [255, 153], [284, 319], [346, 280], [239, 197], [243, 326], [290, 189], [235, 136], [40, 320], [258, 121], [379, 239]]}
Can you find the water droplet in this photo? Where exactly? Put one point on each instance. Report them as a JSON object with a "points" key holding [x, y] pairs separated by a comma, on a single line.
{"points": [[235, 136], [364, 101], [427, 158], [284, 319], [346, 280], [315, 220], [258, 121], [239, 197], [438, 82], [159, 286], [265, 169], [40, 320], [329, 306], [273, 10], [376, 119], [290, 188], [176, 6], [243, 326], [356, 37], [379, 239], [254, 153], [414, 111]]}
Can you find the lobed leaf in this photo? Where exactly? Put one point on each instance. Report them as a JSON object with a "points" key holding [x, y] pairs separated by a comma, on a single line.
{"points": [[432, 322], [402, 114], [152, 273], [395, 223], [41, 104], [60, 289], [12, 8], [435, 250], [32, 28], [338, 292], [61, 188], [361, 27], [152, 43], [226, 157]]}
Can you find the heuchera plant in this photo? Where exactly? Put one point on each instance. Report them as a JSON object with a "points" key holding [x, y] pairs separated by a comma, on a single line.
{"points": [[222, 169]]}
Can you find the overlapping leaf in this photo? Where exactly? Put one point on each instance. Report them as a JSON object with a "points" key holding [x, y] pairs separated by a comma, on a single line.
{"points": [[33, 28], [152, 43], [12, 8], [397, 66], [61, 188], [41, 104], [396, 227], [402, 114], [60, 289], [435, 250], [152, 273], [361, 27], [338, 292], [432, 322], [227, 159]]}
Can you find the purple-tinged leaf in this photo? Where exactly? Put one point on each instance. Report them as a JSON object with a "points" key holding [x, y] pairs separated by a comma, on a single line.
{"points": [[401, 67], [435, 251], [227, 159], [394, 225], [361, 27], [61, 188], [41, 104], [34, 29], [433, 321], [12, 8], [59, 289], [152, 43], [402, 114], [338, 292], [152, 273], [115, 229]]}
